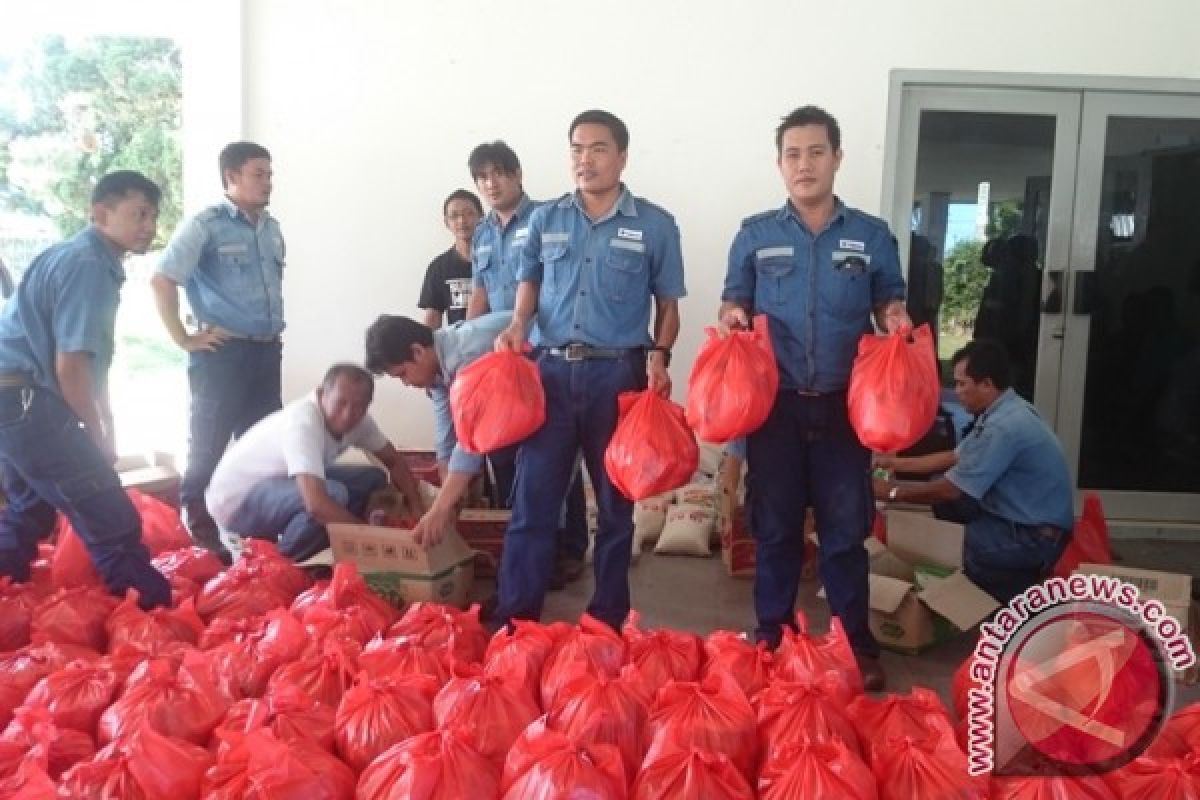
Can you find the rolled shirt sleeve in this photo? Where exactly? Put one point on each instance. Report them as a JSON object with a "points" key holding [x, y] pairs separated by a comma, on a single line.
{"points": [[739, 274], [887, 282], [182, 254], [85, 315], [666, 276], [982, 458], [529, 258]]}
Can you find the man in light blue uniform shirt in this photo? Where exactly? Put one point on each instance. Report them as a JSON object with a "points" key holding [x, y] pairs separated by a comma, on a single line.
{"points": [[818, 270], [56, 429], [595, 262], [1007, 481], [229, 258], [429, 359]]}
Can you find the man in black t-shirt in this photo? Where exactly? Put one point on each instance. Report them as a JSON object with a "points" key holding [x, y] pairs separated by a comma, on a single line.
{"points": [[447, 286]]}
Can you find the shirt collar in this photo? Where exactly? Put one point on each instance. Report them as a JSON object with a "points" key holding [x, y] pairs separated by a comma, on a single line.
{"points": [[626, 205], [234, 212], [493, 218], [1005, 397], [839, 213], [100, 244]]}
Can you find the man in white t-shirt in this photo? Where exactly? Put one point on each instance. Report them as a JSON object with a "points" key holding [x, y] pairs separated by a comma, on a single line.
{"points": [[279, 482]]}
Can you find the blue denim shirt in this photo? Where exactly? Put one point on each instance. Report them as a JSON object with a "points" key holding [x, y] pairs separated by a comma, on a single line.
{"points": [[817, 290], [1013, 465], [596, 279], [495, 253], [65, 303], [457, 346], [231, 269]]}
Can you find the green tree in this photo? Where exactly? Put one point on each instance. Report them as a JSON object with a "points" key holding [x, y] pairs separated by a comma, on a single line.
{"points": [[72, 110], [964, 277]]}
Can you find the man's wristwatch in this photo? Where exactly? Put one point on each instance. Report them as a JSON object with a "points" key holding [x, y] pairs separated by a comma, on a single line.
{"points": [[666, 353], [893, 492]]}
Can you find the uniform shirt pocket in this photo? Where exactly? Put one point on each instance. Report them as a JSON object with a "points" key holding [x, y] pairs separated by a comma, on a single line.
{"points": [[233, 262], [554, 256], [851, 290], [625, 281], [774, 267]]}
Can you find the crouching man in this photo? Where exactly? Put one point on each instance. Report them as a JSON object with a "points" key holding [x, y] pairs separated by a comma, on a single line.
{"points": [[279, 481]]}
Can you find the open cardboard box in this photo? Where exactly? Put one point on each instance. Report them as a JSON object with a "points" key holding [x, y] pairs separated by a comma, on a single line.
{"points": [[153, 473], [402, 571], [918, 593]]}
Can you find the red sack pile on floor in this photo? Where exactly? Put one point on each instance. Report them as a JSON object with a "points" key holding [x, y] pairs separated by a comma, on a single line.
{"points": [[21, 670], [77, 694], [16, 614], [141, 765], [376, 713], [153, 632], [804, 657], [188, 567], [74, 616], [524, 650], [544, 763], [162, 530], [591, 648], [750, 665], [259, 581], [261, 767], [71, 566], [733, 382], [1181, 734], [799, 770], [405, 655], [490, 710], [929, 767], [600, 710], [436, 626], [325, 671], [1089, 541], [177, 701], [713, 714], [29, 782], [440, 765], [652, 449], [33, 732], [288, 713], [685, 774], [917, 715], [267, 642], [1150, 778], [1051, 787], [357, 623], [497, 400], [663, 655], [894, 389], [802, 712], [348, 591], [41, 577]]}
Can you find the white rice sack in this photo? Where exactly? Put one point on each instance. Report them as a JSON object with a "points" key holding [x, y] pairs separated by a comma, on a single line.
{"points": [[688, 530], [698, 494], [710, 459]]}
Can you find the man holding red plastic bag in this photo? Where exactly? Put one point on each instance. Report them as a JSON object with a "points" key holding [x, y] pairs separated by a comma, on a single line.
{"points": [[592, 263], [818, 270]]}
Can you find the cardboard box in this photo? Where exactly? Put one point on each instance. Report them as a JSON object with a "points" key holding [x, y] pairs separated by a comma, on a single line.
{"points": [[423, 465], [153, 473], [918, 593], [402, 571]]}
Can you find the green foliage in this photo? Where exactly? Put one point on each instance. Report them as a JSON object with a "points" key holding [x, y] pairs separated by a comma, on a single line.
{"points": [[87, 107], [965, 276]]}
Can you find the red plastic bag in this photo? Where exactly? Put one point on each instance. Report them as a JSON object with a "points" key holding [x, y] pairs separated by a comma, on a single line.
{"points": [[733, 383], [497, 400], [261, 767], [178, 701], [348, 592], [932, 767], [1051, 787], [376, 713], [142, 765], [797, 712], [289, 713], [324, 673], [490, 710], [196, 565], [804, 657], [74, 616], [685, 774], [750, 665], [16, 614], [436, 625], [267, 642], [663, 655], [713, 714], [29, 782], [1149, 778], [71, 566], [652, 449], [440, 765], [405, 655], [162, 530], [524, 650], [894, 389], [591, 648], [77, 694], [21, 670], [828, 770], [156, 631], [600, 710], [1089, 541], [917, 715], [1181, 734], [258, 582], [32, 728], [544, 763]]}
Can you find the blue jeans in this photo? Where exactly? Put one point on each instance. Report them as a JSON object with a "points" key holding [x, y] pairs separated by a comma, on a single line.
{"points": [[232, 388], [806, 454], [48, 462], [274, 509], [573, 532], [581, 414]]}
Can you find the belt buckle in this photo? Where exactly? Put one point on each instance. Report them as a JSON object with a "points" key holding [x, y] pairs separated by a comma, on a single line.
{"points": [[574, 352]]}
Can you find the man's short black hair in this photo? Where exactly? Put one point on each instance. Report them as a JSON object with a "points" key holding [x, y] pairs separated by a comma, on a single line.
{"points": [[115, 185], [390, 341], [235, 154], [350, 372], [809, 115], [496, 154], [985, 358], [462, 194], [611, 121]]}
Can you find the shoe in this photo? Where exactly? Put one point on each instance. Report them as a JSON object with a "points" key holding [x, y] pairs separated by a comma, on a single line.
{"points": [[203, 530], [873, 676]]}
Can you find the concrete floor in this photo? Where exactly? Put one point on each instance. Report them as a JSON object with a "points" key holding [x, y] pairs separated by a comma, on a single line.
{"points": [[696, 594]]}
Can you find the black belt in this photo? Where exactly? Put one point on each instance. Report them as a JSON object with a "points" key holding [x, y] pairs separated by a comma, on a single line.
{"points": [[583, 352]]}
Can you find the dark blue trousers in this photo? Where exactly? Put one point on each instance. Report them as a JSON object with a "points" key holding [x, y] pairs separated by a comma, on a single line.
{"points": [[48, 463], [573, 534], [581, 415], [806, 454], [232, 388]]}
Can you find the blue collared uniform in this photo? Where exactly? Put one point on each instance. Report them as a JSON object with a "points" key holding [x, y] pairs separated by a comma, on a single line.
{"points": [[496, 252], [596, 281], [66, 303], [818, 290], [232, 272]]}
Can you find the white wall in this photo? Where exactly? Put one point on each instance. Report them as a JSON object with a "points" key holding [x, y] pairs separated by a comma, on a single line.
{"points": [[370, 108]]}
